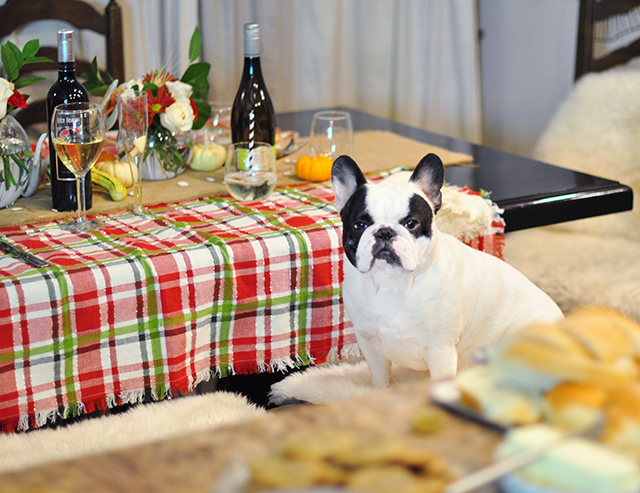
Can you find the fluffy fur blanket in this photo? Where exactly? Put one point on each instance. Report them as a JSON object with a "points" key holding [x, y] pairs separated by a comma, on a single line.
{"points": [[596, 130], [144, 423], [330, 382]]}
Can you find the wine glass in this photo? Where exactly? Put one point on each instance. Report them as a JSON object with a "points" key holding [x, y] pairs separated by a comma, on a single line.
{"points": [[78, 132], [133, 122], [218, 127], [331, 134], [250, 170]]}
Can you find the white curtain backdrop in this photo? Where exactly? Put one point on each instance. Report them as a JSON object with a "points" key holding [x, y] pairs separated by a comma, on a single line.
{"points": [[414, 61]]}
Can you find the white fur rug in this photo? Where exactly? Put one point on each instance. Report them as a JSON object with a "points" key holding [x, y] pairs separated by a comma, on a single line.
{"points": [[330, 382], [144, 423], [596, 130], [579, 269]]}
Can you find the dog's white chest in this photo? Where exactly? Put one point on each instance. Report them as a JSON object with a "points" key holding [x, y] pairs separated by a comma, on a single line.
{"points": [[402, 351], [389, 324]]}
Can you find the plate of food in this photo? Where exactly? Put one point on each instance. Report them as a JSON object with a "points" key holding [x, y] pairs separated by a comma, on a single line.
{"points": [[578, 379]]}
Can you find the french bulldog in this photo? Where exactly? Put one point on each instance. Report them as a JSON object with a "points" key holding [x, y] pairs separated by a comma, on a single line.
{"points": [[416, 296]]}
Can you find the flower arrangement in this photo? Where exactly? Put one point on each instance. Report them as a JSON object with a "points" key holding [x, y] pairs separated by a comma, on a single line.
{"points": [[174, 105], [13, 59]]}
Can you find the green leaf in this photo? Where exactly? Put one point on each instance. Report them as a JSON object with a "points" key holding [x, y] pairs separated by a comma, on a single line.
{"points": [[196, 70], [24, 81], [204, 112], [34, 59], [152, 87], [31, 48], [20, 162], [17, 53], [9, 62], [7, 176], [95, 88], [196, 76], [200, 88], [195, 45]]}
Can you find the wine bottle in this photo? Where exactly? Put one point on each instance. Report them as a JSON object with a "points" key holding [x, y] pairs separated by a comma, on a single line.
{"points": [[252, 116], [67, 89]]}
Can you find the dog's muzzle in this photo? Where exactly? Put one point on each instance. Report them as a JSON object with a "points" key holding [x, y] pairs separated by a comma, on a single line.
{"points": [[383, 247]]}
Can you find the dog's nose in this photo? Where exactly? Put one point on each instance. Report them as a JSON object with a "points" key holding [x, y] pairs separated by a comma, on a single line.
{"points": [[385, 234]]}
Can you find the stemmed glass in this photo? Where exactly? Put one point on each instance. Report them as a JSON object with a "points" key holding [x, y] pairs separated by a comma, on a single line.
{"points": [[133, 121], [78, 132], [331, 134]]}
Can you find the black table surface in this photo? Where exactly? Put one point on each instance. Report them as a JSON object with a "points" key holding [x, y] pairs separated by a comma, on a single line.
{"points": [[530, 192]]}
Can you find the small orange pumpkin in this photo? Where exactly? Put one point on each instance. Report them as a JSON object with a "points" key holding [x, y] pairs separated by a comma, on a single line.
{"points": [[314, 168]]}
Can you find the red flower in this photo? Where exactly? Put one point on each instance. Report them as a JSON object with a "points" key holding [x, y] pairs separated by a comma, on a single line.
{"points": [[17, 100], [159, 103], [195, 109]]}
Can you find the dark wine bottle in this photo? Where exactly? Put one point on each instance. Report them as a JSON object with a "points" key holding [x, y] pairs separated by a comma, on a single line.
{"points": [[252, 116], [67, 89]]}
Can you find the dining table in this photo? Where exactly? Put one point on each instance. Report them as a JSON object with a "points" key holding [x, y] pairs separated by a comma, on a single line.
{"points": [[201, 286], [530, 193]]}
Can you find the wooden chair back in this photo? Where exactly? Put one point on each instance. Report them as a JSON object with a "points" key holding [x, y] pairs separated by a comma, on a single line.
{"points": [[598, 13], [81, 15]]}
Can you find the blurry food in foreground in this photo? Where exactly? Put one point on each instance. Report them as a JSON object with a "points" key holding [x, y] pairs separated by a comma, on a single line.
{"points": [[339, 458]]}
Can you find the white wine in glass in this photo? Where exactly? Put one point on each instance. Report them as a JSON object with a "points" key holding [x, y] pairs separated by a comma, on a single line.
{"points": [[78, 131], [133, 123], [250, 170]]}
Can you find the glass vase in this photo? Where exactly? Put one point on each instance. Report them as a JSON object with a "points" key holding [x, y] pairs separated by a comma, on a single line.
{"points": [[169, 153], [17, 160]]}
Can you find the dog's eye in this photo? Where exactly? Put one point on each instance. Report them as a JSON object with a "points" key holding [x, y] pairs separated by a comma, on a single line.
{"points": [[359, 225], [411, 224]]}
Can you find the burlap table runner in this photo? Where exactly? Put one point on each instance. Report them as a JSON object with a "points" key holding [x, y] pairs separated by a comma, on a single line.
{"points": [[374, 151]]}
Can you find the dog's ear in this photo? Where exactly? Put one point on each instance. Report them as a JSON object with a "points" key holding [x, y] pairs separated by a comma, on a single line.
{"points": [[429, 177], [346, 178]]}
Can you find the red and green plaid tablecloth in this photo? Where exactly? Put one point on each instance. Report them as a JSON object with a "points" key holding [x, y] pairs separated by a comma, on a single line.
{"points": [[151, 305]]}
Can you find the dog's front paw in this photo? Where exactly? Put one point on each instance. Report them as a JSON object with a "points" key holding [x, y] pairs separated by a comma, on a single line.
{"points": [[380, 381]]}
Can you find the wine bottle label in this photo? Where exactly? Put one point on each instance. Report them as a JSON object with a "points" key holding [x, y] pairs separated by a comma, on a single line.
{"points": [[63, 173]]}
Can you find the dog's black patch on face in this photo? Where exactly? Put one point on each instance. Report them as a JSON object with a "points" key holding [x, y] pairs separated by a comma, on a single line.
{"points": [[420, 217], [383, 247], [355, 220]]}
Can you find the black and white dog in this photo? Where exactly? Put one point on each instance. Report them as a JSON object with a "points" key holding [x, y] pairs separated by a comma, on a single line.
{"points": [[418, 297]]}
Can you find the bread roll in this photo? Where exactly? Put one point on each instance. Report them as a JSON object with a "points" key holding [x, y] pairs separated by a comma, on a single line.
{"points": [[599, 333], [622, 420], [481, 392], [612, 318], [575, 406], [568, 353]]}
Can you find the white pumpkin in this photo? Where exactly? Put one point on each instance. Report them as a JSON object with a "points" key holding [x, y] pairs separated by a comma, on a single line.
{"points": [[208, 158], [124, 171]]}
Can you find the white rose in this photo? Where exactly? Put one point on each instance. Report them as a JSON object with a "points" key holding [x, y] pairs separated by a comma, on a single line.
{"points": [[179, 89], [130, 84], [178, 116], [6, 91]]}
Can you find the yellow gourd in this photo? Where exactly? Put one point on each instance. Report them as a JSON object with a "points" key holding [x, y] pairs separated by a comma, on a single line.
{"points": [[125, 172], [108, 183], [208, 157], [314, 168]]}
